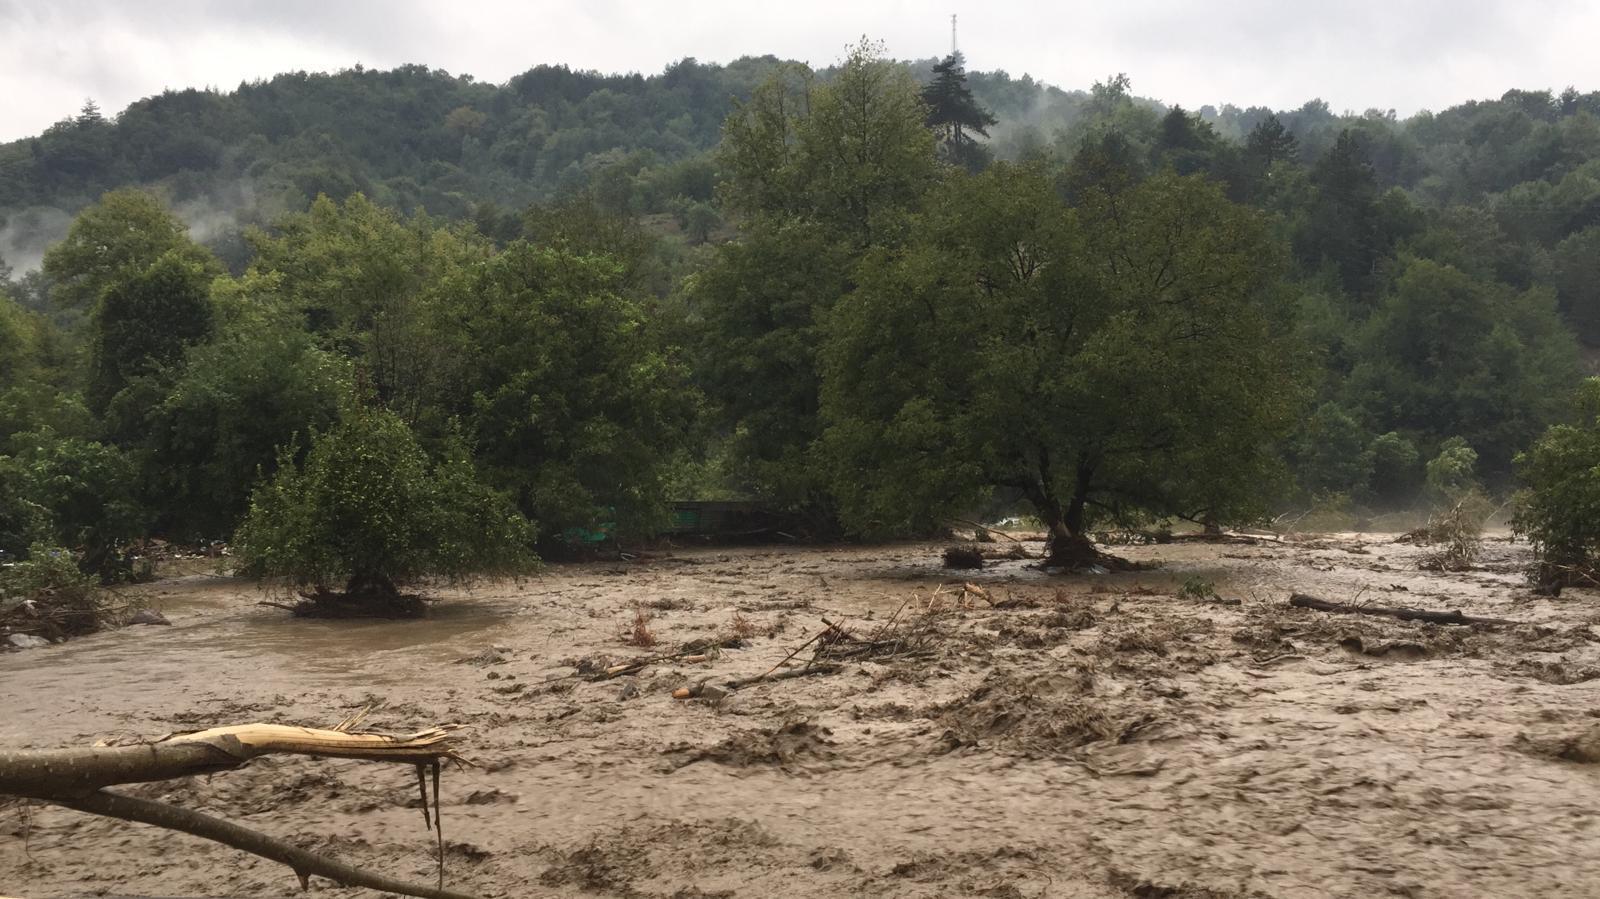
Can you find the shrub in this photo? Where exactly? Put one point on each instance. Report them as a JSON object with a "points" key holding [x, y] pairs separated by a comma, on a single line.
{"points": [[1559, 511], [369, 509]]}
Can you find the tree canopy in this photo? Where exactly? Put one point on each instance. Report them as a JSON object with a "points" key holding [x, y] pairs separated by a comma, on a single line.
{"points": [[1114, 356], [871, 295]]}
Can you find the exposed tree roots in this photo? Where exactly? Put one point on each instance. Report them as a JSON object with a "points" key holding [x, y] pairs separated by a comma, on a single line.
{"points": [[363, 597], [1079, 554]]}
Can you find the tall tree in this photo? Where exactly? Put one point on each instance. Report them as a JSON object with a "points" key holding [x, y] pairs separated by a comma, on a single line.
{"points": [[565, 386], [143, 325], [1112, 357], [817, 176], [955, 116], [1269, 142]]}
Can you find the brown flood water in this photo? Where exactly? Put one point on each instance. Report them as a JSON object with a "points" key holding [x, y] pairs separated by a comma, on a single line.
{"points": [[1105, 736]]}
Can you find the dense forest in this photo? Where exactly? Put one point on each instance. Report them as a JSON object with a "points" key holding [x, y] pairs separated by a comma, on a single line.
{"points": [[873, 296]]}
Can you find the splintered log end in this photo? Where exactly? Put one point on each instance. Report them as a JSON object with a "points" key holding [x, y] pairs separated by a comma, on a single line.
{"points": [[247, 741]]}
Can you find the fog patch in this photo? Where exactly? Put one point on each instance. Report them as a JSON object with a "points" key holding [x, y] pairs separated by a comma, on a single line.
{"points": [[25, 235]]}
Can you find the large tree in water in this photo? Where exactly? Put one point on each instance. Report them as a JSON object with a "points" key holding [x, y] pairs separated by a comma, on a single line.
{"points": [[1114, 356]]}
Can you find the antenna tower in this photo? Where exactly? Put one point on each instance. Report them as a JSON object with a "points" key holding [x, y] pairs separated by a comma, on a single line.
{"points": [[952, 34]]}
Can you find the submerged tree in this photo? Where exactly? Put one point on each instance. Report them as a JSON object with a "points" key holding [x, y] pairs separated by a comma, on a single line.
{"points": [[1560, 509], [955, 116], [368, 509], [1115, 357]]}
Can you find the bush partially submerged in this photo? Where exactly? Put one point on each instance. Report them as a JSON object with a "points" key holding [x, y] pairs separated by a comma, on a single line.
{"points": [[48, 597], [369, 510], [1560, 509]]}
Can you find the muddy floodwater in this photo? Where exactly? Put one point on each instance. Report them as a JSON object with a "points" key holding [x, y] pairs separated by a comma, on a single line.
{"points": [[1084, 736]]}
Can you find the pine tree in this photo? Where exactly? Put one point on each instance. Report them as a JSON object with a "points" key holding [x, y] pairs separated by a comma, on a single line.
{"points": [[90, 114], [954, 115], [1270, 142]]}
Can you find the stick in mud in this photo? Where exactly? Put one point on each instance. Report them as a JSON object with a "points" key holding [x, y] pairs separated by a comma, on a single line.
{"points": [[1454, 616]]}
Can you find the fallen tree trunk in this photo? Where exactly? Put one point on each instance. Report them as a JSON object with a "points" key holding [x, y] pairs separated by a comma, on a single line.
{"points": [[1302, 601], [64, 773], [76, 778]]}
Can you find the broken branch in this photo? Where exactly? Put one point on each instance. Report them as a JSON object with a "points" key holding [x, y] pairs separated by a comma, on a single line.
{"points": [[1302, 601], [302, 862]]}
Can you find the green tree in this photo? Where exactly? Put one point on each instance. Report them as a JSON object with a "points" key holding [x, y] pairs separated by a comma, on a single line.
{"points": [[81, 493], [817, 175], [218, 428], [955, 116], [38, 378], [144, 323], [852, 154], [1269, 142], [1112, 358], [1453, 473], [369, 510], [1396, 467], [113, 241], [1576, 261], [1447, 354], [574, 401], [1342, 226], [1329, 453], [760, 306], [363, 277], [1559, 509]]}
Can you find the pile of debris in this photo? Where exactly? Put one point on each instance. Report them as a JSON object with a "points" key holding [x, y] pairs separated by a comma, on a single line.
{"points": [[46, 599], [910, 632]]}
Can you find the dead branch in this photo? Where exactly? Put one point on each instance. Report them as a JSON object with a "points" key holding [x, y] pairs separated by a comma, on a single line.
{"points": [[303, 863], [742, 682], [1454, 616]]}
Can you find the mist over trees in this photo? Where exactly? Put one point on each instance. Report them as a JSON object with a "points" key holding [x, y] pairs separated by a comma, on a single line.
{"points": [[871, 296]]}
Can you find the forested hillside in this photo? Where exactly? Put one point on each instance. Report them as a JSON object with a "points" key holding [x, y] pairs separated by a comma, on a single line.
{"points": [[875, 295]]}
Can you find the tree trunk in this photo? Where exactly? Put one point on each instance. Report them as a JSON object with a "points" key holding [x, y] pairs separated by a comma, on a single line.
{"points": [[1070, 546], [365, 596], [56, 773], [76, 778]]}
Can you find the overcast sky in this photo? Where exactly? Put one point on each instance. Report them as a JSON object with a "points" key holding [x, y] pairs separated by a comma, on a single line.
{"points": [[1400, 54]]}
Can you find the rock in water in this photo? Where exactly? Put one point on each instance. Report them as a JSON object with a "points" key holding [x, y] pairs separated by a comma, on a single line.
{"points": [[27, 641], [148, 616]]}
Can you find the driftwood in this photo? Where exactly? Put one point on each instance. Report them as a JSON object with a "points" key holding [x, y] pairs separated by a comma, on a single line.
{"points": [[1454, 616], [989, 530], [742, 682], [77, 778]]}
